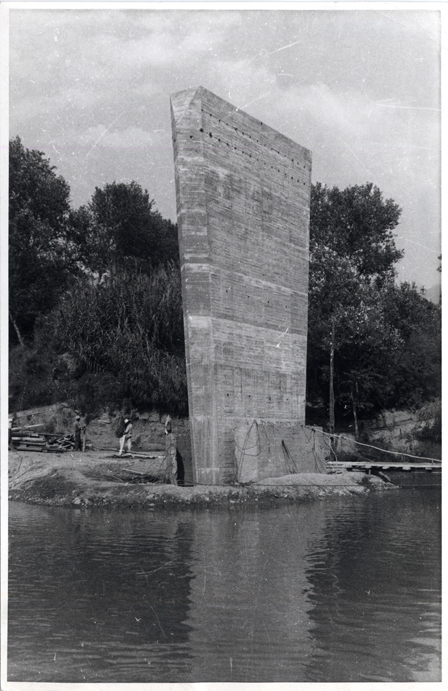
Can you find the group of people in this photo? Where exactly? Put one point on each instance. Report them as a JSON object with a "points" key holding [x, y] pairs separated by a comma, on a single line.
{"points": [[125, 438], [171, 455], [80, 435]]}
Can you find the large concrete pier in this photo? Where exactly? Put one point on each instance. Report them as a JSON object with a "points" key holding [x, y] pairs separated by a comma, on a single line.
{"points": [[243, 197]]}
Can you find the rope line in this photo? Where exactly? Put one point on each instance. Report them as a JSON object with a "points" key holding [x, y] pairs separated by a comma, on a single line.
{"points": [[377, 448]]}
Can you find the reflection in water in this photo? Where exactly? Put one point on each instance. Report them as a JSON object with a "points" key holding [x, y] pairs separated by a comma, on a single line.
{"points": [[93, 593], [250, 613], [341, 590], [375, 586]]}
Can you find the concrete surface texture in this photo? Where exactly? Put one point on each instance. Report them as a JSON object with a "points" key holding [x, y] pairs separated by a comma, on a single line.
{"points": [[243, 197], [261, 447]]}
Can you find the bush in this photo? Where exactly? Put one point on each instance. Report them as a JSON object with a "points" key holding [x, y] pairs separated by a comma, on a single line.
{"points": [[104, 343], [432, 429], [429, 449], [93, 392], [30, 378]]}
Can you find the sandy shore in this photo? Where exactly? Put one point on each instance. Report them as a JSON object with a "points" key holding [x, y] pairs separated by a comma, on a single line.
{"points": [[101, 478]]}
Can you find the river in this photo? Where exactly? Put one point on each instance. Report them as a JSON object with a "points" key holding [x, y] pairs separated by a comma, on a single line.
{"points": [[341, 590]]}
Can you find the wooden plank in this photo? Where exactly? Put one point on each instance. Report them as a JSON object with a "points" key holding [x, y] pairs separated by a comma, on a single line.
{"points": [[16, 429], [29, 448]]}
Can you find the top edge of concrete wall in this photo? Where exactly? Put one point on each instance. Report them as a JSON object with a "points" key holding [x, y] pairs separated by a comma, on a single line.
{"points": [[182, 100]]}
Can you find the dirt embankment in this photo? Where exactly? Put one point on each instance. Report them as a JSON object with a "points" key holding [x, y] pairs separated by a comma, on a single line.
{"points": [[100, 479]]}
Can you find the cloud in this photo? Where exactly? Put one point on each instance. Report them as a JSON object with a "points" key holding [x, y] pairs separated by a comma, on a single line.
{"points": [[359, 89], [113, 139]]}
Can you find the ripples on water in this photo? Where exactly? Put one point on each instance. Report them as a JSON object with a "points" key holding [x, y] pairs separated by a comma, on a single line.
{"points": [[338, 590]]}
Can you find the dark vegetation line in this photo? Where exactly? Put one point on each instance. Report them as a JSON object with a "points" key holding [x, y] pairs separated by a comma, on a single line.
{"points": [[96, 310]]}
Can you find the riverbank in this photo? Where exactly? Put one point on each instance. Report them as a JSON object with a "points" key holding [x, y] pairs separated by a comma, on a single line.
{"points": [[102, 479]]}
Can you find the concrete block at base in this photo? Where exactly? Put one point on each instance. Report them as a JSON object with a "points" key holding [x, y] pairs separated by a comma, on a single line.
{"points": [[183, 444], [211, 476], [266, 449]]}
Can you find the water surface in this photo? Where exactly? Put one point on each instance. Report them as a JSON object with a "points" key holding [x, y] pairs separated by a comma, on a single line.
{"points": [[340, 590]]}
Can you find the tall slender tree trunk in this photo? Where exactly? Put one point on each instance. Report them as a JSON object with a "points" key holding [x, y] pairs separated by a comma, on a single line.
{"points": [[355, 410], [16, 328], [332, 376]]}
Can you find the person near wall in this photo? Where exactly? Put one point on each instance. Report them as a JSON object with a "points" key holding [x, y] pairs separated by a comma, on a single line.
{"points": [[126, 437], [171, 452], [10, 426], [168, 429]]}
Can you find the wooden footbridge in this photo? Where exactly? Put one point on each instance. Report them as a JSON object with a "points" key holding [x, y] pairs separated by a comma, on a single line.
{"points": [[403, 474], [380, 465]]}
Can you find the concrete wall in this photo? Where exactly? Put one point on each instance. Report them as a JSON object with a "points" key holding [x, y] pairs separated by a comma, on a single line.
{"points": [[243, 194]]}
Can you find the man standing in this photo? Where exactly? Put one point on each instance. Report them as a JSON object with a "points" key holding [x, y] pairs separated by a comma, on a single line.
{"points": [[10, 426], [171, 452], [127, 437]]}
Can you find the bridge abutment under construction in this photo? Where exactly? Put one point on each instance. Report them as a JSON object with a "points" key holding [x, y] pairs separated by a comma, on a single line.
{"points": [[243, 200]]}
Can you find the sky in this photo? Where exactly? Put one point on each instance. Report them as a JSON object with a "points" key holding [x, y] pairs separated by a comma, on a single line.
{"points": [[359, 88]]}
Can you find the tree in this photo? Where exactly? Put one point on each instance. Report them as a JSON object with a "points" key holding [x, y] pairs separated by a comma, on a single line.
{"points": [[120, 224], [356, 223], [94, 293], [372, 344], [40, 253], [351, 344], [352, 257], [127, 328], [416, 371]]}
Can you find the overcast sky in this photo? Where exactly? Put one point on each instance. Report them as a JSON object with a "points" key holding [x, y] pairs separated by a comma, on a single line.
{"points": [[359, 88]]}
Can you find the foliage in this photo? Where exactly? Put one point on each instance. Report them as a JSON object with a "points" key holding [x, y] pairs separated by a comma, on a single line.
{"points": [[40, 253], [30, 378], [95, 298], [370, 343], [94, 392], [129, 327], [118, 225], [416, 372], [431, 415], [356, 224], [352, 254]]}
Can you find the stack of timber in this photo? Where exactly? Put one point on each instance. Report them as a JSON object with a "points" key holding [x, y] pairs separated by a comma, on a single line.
{"points": [[28, 441], [57, 443], [35, 441]]}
